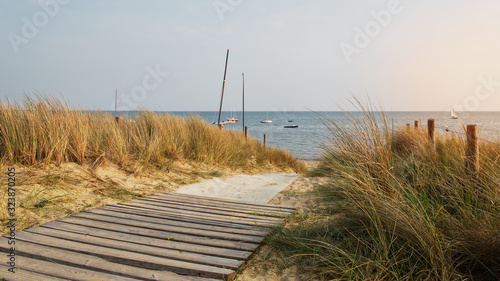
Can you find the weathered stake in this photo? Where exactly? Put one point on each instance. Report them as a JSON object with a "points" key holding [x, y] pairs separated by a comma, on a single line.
{"points": [[408, 126], [417, 124], [246, 132], [472, 156], [431, 126], [265, 140]]}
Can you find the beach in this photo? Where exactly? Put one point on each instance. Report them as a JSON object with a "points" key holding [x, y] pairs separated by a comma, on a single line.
{"points": [[265, 264], [97, 161], [54, 192]]}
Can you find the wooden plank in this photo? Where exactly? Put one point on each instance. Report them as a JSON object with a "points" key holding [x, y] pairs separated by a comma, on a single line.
{"points": [[215, 199], [168, 221], [125, 257], [226, 200], [90, 262], [196, 218], [23, 275], [206, 210], [162, 234], [242, 220], [218, 223], [64, 271], [241, 210], [144, 240], [216, 203], [213, 203], [143, 249], [169, 228], [201, 215]]}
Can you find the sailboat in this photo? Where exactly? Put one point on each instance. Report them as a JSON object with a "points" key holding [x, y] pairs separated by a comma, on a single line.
{"points": [[453, 115], [267, 119], [292, 125]]}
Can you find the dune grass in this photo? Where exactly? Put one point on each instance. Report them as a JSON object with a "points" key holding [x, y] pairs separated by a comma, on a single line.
{"points": [[45, 130], [398, 207], [70, 160]]}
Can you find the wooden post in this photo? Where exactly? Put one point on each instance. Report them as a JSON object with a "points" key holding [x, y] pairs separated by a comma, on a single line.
{"points": [[246, 132], [431, 126], [243, 98], [472, 156], [408, 126], [118, 119], [265, 140], [417, 124]]}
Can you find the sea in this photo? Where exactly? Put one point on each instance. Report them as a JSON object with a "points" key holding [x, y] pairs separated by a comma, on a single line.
{"points": [[305, 141]]}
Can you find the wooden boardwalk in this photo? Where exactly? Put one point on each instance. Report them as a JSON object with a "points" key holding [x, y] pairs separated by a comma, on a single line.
{"points": [[166, 236]]}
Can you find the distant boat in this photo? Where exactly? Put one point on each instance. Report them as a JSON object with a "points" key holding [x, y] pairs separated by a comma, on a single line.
{"points": [[267, 119], [453, 115], [291, 120], [231, 120]]}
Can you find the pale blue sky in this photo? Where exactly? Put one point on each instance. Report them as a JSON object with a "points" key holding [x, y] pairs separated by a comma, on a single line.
{"points": [[429, 55]]}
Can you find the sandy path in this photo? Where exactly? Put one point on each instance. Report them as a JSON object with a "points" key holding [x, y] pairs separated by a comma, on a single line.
{"points": [[264, 265], [248, 188]]}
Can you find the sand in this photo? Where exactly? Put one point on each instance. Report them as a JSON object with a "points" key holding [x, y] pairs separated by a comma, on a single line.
{"points": [[248, 188], [48, 193], [265, 264], [72, 188], [276, 189]]}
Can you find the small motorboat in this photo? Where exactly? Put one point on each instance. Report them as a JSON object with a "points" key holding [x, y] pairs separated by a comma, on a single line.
{"points": [[291, 126]]}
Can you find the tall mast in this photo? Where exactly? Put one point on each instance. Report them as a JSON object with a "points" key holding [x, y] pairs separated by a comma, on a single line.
{"points": [[243, 74], [223, 85]]}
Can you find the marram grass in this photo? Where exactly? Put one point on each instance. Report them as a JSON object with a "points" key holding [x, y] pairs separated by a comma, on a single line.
{"points": [[406, 209], [42, 131]]}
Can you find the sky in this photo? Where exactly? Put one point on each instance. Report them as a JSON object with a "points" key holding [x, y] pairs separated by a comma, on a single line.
{"points": [[408, 55]]}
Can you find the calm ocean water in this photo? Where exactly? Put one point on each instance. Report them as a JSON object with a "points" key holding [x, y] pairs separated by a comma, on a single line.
{"points": [[305, 141]]}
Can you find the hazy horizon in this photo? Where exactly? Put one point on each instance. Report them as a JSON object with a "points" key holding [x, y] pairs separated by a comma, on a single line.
{"points": [[169, 55]]}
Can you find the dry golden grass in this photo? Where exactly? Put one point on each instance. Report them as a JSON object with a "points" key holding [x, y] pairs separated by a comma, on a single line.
{"points": [[44, 130], [411, 210]]}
